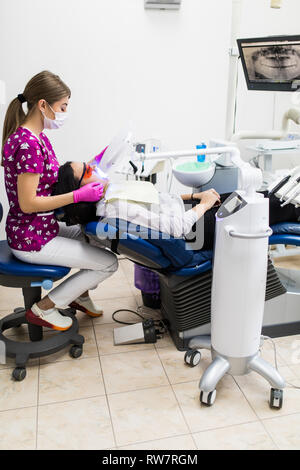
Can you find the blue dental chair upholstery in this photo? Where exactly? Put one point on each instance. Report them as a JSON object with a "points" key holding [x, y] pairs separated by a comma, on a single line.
{"points": [[31, 278], [286, 233], [185, 275]]}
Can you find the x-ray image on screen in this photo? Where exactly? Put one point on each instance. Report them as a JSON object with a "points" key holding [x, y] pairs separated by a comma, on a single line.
{"points": [[271, 62]]}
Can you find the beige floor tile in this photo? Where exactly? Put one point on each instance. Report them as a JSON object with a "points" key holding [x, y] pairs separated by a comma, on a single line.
{"points": [[140, 416], [75, 425], [172, 443], [18, 394], [285, 431], [83, 319], [10, 298], [21, 331], [175, 367], [105, 340], [89, 348], [127, 267], [257, 391], [11, 362], [230, 407], [109, 306], [295, 369], [132, 371], [147, 312], [165, 342], [138, 297], [288, 262], [70, 379], [111, 288], [134, 290], [4, 313], [250, 436], [267, 353], [18, 429]]}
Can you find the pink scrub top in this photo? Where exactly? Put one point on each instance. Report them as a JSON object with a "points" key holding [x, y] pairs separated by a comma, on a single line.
{"points": [[26, 153]]}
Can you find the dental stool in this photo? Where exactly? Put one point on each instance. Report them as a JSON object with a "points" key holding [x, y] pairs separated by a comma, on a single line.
{"points": [[32, 278]]}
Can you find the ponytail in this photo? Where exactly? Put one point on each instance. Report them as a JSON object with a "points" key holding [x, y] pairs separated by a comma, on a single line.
{"points": [[45, 85], [14, 118]]}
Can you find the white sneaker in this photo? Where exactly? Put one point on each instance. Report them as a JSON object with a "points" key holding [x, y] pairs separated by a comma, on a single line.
{"points": [[86, 305], [49, 318]]}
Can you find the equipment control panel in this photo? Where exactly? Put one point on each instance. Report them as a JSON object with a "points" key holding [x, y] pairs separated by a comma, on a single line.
{"points": [[232, 204]]}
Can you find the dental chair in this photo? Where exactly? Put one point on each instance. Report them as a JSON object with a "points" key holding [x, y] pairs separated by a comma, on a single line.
{"points": [[31, 278], [186, 279]]}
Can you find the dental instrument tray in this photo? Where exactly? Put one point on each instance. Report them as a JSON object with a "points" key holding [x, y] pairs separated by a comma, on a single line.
{"points": [[278, 145]]}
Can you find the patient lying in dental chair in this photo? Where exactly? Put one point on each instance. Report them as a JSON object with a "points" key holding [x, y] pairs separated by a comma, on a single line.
{"points": [[141, 204]]}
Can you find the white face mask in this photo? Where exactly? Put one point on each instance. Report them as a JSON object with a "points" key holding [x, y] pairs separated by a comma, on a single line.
{"points": [[55, 123]]}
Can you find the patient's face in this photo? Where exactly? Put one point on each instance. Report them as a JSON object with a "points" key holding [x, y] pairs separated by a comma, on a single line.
{"points": [[90, 176]]}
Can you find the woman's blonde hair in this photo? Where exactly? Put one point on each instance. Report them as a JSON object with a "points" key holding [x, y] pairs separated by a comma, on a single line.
{"points": [[45, 85]]}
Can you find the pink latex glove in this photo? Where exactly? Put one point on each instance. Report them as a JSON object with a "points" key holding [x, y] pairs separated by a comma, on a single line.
{"points": [[90, 192], [97, 158]]}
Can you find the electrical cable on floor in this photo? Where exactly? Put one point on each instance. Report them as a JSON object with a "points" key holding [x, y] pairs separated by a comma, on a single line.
{"points": [[275, 360], [159, 324]]}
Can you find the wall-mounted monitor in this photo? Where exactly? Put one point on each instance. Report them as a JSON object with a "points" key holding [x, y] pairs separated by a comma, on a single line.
{"points": [[271, 63]]}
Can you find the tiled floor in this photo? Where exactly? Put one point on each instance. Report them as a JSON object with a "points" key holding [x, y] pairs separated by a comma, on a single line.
{"points": [[139, 396]]}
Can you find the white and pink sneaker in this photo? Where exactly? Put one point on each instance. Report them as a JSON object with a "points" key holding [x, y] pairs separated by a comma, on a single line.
{"points": [[86, 305], [48, 318]]}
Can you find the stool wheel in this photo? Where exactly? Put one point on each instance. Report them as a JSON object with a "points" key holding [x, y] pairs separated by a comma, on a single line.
{"points": [[76, 351], [19, 374]]}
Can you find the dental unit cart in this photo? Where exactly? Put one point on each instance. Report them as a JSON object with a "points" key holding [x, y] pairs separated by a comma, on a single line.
{"points": [[237, 300], [241, 249]]}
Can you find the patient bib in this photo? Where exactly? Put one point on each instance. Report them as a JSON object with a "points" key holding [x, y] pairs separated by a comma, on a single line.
{"points": [[136, 191]]}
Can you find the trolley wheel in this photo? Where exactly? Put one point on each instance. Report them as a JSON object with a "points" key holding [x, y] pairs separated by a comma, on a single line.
{"points": [[276, 398], [208, 398], [76, 351], [19, 373], [192, 357]]}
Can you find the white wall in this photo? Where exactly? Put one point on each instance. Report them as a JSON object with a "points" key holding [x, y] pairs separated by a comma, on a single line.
{"points": [[259, 110], [165, 70]]}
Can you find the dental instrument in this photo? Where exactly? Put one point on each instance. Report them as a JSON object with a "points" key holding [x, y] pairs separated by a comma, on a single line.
{"points": [[291, 198], [293, 194], [279, 185], [287, 188]]}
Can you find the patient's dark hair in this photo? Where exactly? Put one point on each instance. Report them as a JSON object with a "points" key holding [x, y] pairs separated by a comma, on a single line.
{"points": [[80, 213]]}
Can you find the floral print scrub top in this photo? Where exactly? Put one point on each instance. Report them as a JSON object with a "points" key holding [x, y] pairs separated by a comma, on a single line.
{"points": [[24, 153]]}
